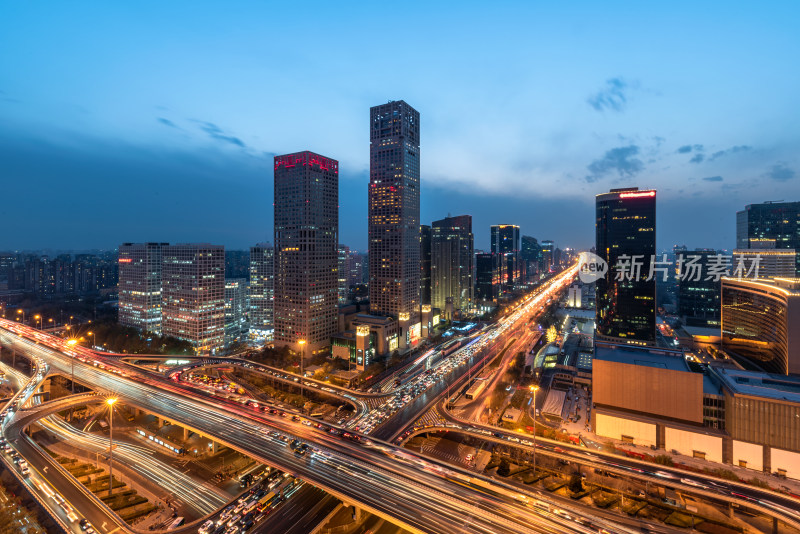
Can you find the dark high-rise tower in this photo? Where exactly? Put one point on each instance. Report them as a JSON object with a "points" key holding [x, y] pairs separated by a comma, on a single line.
{"points": [[505, 252], [770, 225], [451, 262], [394, 246], [262, 288], [425, 264], [306, 260], [626, 231]]}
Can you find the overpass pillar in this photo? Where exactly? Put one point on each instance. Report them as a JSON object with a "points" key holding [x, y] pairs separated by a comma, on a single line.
{"points": [[730, 510], [774, 525], [214, 447], [185, 433]]}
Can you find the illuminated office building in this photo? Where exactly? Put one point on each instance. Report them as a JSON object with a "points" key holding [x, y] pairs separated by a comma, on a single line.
{"points": [[140, 286], [425, 264], [306, 259], [394, 195], [761, 323], [625, 228], [193, 295], [262, 289], [771, 225], [451, 262]]}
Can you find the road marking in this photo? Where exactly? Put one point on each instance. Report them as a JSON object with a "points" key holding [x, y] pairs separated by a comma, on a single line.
{"points": [[45, 468], [103, 526]]}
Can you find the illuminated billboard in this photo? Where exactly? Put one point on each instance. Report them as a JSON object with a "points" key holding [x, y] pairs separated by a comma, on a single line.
{"points": [[414, 333]]}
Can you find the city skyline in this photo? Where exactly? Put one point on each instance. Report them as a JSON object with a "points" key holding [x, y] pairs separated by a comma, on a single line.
{"points": [[667, 117]]}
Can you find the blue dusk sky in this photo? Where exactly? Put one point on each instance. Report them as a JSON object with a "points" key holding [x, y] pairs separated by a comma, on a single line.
{"points": [[134, 121]]}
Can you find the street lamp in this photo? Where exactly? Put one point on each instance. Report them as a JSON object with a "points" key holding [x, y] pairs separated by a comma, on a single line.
{"points": [[534, 389], [302, 343], [38, 318], [20, 310], [93, 339], [71, 343], [50, 320], [110, 403]]}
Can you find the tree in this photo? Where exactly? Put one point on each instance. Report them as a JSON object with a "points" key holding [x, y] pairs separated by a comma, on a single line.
{"points": [[551, 334], [505, 467], [575, 483]]}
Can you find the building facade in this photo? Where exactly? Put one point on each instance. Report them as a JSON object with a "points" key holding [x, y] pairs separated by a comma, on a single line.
{"points": [[262, 289], [425, 282], [306, 260], [452, 249], [344, 261], [772, 225], [764, 263], [394, 196], [193, 295], [626, 232], [485, 286], [140, 286], [235, 310], [698, 297], [761, 322], [505, 250]]}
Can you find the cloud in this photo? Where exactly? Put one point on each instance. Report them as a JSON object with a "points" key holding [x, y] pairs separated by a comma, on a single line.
{"points": [[620, 159], [215, 132], [166, 122], [685, 149], [713, 178], [780, 173], [612, 97], [732, 150], [698, 158]]}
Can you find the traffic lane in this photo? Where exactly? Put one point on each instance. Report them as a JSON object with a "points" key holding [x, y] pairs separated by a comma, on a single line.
{"points": [[169, 404], [300, 514], [776, 502], [231, 431], [66, 485]]}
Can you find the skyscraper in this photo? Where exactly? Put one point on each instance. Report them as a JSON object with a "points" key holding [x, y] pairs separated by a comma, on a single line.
{"points": [[394, 193], [548, 251], [530, 254], [451, 262], [698, 298], [140, 286], [425, 264], [306, 260], [262, 289], [345, 260], [505, 251], [770, 225], [485, 286], [235, 309], [193, 295], [626, 236]]}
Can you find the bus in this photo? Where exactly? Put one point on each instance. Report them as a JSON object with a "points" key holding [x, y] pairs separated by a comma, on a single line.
{"points": [[176, 523], [266, 501]]}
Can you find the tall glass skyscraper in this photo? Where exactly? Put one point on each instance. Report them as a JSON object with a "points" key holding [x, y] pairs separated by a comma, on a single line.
{"points": [[505, 253], [626, 235], [394, 232], [140, 285], [306, 259], [770, 225], [262, 289], [451, 262], [193, 295]]}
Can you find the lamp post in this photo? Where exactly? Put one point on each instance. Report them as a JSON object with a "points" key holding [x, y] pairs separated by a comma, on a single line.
{"points": [[71, 343], [93, 339], [38, 317], [534, 389], [20, 310], [302, 343], [110, 403], [50, 320]]}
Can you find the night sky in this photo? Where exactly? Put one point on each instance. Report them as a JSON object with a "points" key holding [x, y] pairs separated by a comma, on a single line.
{"points": [[157, 121]]}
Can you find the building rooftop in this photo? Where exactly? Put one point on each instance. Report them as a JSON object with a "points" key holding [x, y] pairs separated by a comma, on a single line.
{"points": [[664, 359], [757, 384]]}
